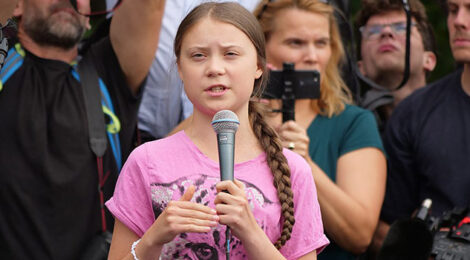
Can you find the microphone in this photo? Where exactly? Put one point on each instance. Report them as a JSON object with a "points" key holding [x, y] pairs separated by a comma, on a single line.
{"points": [[409, 239], [225, 124]]}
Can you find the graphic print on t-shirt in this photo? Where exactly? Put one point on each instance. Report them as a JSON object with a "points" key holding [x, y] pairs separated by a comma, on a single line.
{"points": [[209, 245]]}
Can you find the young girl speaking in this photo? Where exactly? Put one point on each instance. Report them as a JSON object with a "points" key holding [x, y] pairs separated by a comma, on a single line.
{"points": [[168, 201]]}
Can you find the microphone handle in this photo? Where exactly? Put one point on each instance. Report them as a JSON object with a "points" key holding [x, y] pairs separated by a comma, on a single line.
{"points": [[226, 144]]}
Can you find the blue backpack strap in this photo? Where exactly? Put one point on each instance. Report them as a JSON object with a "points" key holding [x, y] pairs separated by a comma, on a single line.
{"points": [[114, 126], [13, 61]]}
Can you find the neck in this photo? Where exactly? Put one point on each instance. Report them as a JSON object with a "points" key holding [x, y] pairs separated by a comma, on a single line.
{"points": [[47, 52], [392, 81], [200, 131], [466, 79]]}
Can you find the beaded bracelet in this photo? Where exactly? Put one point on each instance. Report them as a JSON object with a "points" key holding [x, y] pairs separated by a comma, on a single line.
{"points": [[133, 249]]}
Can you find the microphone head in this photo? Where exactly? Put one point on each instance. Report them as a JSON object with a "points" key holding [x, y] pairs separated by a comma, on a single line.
{"points": [[225, 121]]}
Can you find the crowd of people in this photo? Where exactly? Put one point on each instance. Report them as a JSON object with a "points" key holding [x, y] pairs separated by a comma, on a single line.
{"points": [[108, 151]]}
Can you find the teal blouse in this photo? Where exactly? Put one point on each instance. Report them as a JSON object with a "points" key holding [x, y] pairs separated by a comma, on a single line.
{"points": [[330, 138]]}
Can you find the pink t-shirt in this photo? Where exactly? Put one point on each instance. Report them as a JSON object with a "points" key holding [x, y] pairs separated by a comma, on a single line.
{"points": [[160, 171]]}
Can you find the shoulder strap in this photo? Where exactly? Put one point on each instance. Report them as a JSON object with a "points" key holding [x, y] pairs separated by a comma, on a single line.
{"points": [[96, 126], [92, 95], [14, 60]]}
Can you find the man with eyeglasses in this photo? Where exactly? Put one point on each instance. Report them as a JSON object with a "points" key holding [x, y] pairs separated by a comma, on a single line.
{"points": [[427, 138], [382, 26]]}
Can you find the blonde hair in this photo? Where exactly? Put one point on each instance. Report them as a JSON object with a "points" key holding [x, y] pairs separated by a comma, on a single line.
{"points": [[334, 92]]}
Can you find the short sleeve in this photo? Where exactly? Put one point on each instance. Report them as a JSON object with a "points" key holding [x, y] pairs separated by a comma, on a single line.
{"points": [[401, 196], [362, 132], [307, 233], [131, 202]]}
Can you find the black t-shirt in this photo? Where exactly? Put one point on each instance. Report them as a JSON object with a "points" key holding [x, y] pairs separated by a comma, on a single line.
{"points": [[49, 203], [428, 146]]}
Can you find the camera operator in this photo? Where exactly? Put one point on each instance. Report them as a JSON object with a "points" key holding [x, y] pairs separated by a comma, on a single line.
{"points": [[51, 182], [427, 138], [340, 141], [382, 26]]}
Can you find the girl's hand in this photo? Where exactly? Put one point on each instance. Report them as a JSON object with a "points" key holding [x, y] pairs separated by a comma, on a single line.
{"points": [[294, 137], [234, 209], [180, 217]]}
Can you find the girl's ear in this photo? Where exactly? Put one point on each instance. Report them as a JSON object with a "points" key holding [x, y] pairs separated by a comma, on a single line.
{"points": [[259, 72], [179, 70]]}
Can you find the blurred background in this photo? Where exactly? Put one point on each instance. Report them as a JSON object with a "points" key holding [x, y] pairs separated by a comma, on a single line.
{"points": [[434, 9]]}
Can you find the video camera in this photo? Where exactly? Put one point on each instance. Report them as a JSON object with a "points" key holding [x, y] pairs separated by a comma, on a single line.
{"points": [[425, 237], [452, 235], [289, 84]]}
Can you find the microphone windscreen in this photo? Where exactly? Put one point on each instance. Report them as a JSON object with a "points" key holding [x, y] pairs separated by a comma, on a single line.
{"points": [[225, 121], [407, 239]]}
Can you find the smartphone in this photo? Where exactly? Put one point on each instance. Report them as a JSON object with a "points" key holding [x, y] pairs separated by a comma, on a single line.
{"points": [[302, 84]]}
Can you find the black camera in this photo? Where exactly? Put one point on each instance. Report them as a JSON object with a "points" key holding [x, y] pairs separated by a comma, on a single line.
{"points": [[289, 84], [446, 237], [452, 235]]}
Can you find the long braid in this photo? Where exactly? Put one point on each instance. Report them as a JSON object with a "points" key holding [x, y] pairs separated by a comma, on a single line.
{"points": [[277, 162]]}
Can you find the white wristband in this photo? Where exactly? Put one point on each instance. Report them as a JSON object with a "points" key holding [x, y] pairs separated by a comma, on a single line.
{"points": [[133, 249]]}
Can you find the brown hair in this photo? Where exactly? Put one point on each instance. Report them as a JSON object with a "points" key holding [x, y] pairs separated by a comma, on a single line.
{"points": [[334, 92], [371, 8], [239, 17]]}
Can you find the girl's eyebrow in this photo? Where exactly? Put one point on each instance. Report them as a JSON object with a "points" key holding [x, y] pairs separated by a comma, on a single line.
{"points": [[206, 48]]}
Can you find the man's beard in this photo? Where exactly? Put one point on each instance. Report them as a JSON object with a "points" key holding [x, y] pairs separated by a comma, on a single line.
{"points": [[48, 31]]}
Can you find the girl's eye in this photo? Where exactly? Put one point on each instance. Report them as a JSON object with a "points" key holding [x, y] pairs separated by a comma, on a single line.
{"points": [[197, 56], [231, 53]]}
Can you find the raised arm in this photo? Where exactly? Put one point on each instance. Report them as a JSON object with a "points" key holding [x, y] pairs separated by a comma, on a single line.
{"points": [[134, 34]]}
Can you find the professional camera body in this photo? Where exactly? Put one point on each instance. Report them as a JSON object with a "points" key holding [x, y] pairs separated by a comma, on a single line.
{"points": [[424, 237], [452, 235]]}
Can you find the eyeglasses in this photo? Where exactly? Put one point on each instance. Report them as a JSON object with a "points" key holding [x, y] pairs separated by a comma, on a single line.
{"points": [[372, 32]]}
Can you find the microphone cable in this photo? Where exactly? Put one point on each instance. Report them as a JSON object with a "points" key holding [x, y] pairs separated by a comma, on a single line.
{"points": [[227, 243]]}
